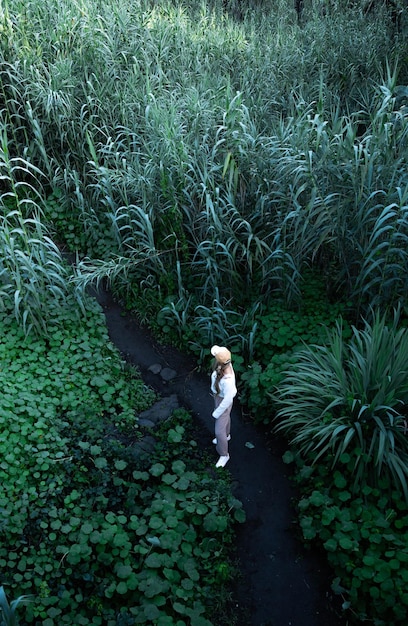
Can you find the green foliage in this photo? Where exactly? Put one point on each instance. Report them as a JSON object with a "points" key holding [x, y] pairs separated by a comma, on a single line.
{"points": [[350, 397], [8, 614], [195, 327], [365, 538], [66, 226], [89, 523], [77, 366], [34, 281], [205, 159], [177, 174], [280, 334]]}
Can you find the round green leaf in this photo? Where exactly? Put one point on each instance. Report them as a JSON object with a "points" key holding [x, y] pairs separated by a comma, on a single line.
{"points": [[122, 588], [157, 469]]}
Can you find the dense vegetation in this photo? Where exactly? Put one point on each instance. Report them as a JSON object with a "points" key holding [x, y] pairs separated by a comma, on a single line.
{"points": [[237, 174], [97, 527]]}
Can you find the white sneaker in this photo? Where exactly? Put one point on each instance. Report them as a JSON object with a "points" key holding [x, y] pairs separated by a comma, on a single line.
{"points": [[215, 440], [222, 461]]}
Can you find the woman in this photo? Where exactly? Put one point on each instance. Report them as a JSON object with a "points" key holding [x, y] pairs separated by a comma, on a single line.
{"points": [[224, 390]]}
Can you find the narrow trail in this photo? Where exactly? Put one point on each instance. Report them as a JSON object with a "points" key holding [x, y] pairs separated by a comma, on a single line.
{"points": [[281, 583]]}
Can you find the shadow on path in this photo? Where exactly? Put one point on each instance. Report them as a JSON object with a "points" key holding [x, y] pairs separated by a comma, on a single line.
{"points": [[281, 583]]}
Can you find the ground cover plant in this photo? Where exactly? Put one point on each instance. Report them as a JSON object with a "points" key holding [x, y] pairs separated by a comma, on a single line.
{"points": [[280, 334], [364, 536], [95, 532], [204, 160], [342, 405]]}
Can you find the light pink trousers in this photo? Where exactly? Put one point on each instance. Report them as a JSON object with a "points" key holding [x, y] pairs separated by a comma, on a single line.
{"points": [[222, 428]]}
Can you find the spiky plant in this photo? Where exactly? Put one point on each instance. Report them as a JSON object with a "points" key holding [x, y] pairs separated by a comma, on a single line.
{"points": [[8, 611], [344, 403]]}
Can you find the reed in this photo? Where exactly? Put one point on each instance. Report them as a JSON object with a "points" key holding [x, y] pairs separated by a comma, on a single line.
{"points": [[34, 280], [218, 143]]}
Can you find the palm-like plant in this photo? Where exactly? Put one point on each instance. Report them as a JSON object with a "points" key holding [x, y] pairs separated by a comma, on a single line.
{"points": [[348, 400]]}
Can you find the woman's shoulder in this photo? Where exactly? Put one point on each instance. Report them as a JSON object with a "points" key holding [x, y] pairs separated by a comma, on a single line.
{"points": [[229, 377]]}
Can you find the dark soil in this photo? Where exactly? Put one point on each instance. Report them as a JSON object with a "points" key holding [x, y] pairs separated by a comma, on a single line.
{"points": [[280, 582]]}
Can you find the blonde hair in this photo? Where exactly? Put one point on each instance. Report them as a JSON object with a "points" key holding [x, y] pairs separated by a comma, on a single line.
{"points": [[219, 368]]}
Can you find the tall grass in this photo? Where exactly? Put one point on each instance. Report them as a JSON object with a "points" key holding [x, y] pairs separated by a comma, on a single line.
{"points": [[221, 150], [34, 280]]}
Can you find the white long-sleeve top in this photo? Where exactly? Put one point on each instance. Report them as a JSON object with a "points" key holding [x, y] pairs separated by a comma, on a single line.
{"points": [[228, 391]]}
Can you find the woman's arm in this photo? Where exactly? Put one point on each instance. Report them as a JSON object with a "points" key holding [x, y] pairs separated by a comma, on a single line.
{"points": [[229, 391]]}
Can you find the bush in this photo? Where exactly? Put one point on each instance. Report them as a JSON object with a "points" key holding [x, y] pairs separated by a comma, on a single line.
{"points": [[351, 397]]}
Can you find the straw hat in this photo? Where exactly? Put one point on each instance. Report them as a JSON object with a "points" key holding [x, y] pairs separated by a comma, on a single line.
{"points": [[221, 354]]}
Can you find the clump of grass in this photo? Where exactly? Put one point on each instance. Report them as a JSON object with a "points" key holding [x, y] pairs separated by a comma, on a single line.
{"points": [[343, 402]]}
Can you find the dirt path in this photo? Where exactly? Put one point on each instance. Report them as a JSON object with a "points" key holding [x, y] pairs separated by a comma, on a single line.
{"points": [[282, 584]]}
